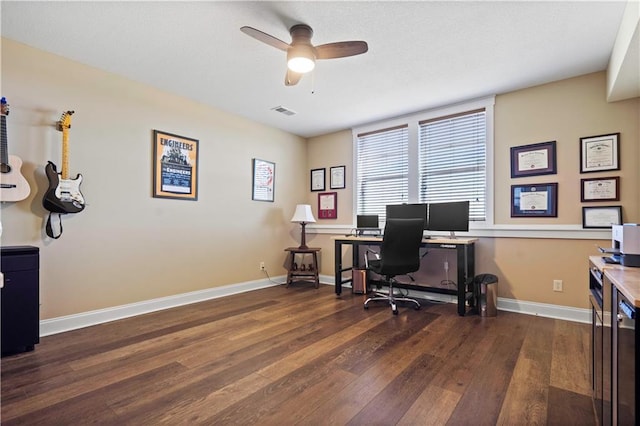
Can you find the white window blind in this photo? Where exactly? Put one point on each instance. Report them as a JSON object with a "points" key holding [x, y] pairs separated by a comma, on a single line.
{"points": [[382, 170], [452, 163]]}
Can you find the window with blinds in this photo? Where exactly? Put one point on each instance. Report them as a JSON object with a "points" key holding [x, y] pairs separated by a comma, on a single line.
{"points": [[434, 156], [452, 161], [382, 170]]}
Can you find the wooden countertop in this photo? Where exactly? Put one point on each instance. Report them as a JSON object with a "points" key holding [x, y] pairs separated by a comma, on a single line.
{"points": [[626, 279]]}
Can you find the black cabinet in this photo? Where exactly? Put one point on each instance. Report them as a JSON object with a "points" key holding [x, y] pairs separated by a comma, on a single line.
{"points": [[20, 298], [625, 365]]}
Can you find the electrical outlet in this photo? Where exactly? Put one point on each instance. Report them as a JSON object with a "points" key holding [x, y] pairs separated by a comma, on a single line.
{"points": [[262, 266], [557, 285]]}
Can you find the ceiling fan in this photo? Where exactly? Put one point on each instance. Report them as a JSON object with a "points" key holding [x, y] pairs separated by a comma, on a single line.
{"points": [[301, 54]]}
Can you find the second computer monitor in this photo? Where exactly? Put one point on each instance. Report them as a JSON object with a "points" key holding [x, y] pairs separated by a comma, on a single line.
{"points": [[407, 211], [451, 216]]}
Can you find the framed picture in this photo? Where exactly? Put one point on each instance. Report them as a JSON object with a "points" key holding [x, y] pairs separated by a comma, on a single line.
{"points": [[601, 217], [600, 153], [536, 200], [328, 205], [317, 179], [600, 189], [264, 178], [533, 160], [175, 166], [337, 177]]}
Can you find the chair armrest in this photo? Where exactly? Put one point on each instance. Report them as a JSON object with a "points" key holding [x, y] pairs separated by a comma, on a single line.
{"points": [[366, 257]]}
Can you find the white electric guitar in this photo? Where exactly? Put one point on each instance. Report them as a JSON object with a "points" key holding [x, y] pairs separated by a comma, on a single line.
{"points": [[63, 195], [13, 186]]}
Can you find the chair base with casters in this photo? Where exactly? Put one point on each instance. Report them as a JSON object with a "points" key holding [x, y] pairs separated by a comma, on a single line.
{"points": [[391, 299]]}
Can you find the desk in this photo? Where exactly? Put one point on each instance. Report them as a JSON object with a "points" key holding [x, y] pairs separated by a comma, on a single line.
{"points": [[465, 256], [310, 271]]}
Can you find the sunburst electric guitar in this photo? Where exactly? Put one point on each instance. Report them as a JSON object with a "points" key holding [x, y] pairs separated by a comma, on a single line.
{"points": [[13, 186], [63, 194]]}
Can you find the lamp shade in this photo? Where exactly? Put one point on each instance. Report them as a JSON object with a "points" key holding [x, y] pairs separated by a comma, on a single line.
{"points": [[303, 214]]}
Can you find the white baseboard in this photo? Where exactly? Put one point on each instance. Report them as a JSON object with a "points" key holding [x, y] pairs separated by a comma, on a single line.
{"points": [[86, 319], [567, 313]]}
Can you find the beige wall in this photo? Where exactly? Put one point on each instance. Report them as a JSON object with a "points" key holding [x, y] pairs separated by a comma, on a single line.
{"points": [[127, 246], [562, 111]]}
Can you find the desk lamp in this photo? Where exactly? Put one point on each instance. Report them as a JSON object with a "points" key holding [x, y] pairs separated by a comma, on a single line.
{"points": [[303, 215]]}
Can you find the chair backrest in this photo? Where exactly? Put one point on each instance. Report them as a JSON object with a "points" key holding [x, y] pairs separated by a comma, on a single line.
{"points": [[400, 251]]}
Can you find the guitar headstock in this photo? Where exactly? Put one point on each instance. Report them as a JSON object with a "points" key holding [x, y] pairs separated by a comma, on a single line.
{"points": [[4, 106], [65, 121]]}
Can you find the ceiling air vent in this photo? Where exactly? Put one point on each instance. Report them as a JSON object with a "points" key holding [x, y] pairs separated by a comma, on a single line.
{"points": [[283, 110]]}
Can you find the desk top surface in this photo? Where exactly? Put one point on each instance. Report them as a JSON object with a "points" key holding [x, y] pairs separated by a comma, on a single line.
{"points": [[457, 241]]}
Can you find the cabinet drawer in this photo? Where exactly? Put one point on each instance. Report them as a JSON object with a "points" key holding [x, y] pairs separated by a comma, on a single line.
{"points": [[19, 258], [23, 262]]}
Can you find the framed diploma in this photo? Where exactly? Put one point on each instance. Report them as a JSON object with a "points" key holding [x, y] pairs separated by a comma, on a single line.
{"points": [[264, 178], [601, 217], [533, 160], [317, 179], [536, 200], [337, 177], [328, 205], [600, 189], [599, 153], [175, 166]]}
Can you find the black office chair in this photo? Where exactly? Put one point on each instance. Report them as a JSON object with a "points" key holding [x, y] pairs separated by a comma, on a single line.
{"points": [[399, 255]]}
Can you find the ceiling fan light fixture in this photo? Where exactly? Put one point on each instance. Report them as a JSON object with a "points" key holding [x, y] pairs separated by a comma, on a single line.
{"points": [[301, 59]]}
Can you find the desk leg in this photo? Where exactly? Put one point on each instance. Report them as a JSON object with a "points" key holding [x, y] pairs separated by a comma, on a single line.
{"points": [[462, 279], [338, 267]]}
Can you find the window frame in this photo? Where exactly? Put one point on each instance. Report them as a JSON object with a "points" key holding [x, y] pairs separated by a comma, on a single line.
{"points": [[412, 122]]}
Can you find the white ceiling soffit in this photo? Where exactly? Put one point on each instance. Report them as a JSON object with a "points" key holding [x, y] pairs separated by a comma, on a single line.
{"points": [[421, 54]]}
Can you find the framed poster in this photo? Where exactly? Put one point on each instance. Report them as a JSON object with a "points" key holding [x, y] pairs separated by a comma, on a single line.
{"points": [[263, 182], [532, 160], [328, 205], [175, 166], [536, 200], [600, 189], [600, 153], [317, 179], [601, 217], [337, 177]]}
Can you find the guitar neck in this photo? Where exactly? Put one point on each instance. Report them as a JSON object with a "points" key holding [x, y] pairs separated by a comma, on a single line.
{"points": [[65, 153], [4, 147]]}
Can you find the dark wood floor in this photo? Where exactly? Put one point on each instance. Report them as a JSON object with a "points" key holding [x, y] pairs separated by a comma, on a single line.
{"points": [[284, 356]]}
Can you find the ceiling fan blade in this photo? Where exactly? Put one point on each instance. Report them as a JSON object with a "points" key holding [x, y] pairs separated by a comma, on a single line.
{"points": [[292, 78], [341, 49], [265, 38]]}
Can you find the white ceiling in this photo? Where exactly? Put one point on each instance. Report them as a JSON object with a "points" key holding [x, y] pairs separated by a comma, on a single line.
{"points": [[421, 54]]}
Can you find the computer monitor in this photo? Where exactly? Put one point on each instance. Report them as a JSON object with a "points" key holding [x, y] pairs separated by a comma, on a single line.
{"points": [[407, 211], [367, 221], [450, 216]]}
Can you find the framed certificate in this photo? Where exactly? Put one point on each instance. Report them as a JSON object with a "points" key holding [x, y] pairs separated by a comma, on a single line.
{"points": [[600, 189], [317, 179], [601, 217], [536, 200], [337, 177], [533, 160], [600, 153], [328, 205]]}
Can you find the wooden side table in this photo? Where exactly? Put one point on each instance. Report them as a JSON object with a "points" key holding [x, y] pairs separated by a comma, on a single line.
{"points": [[301, 271]]}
